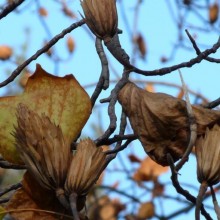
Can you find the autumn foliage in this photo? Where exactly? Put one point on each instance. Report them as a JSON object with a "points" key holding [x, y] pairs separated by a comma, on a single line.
{"points": [[66, 170]]}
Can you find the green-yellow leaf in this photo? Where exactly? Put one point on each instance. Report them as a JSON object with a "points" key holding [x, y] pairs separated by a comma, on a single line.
{"points": [[62, 99]]}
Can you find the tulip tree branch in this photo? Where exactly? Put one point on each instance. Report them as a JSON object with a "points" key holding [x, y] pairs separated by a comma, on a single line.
{"points": [[6, 165], [180, 190], [112, 99], [119, 147], [198, 51], [117, 138], [44, 49], [163, 71], [192, 125], [10, 7], [212, 104], [103, 82], [122, 193]]}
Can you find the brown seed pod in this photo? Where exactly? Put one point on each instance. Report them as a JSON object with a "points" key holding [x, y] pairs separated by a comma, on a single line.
{"points": [[87, 164], [161, 123], [208, 155], [101, 17], [43, 149]]}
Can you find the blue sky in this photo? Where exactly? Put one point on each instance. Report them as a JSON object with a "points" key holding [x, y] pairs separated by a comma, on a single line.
{"points": [[158, 28]]}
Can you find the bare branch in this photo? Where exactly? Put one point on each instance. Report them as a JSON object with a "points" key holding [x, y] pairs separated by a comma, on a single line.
{"points": [[198, 51], [179, 189], [103, 82], [10, 7], [6, 165], [44, 49], [212, 104]]}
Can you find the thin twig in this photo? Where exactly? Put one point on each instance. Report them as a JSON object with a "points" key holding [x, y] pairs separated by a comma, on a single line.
{"points": [[10, 188], [112, 99], [44, 49], [198, 51], [6, 165], [192, 126], [103, 82], [117, 138], [123, 193], [212, 104], [10, 7], [180, 190]]}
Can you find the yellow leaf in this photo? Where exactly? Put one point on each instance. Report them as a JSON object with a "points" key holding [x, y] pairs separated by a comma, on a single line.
{"points": [[62, 99]]}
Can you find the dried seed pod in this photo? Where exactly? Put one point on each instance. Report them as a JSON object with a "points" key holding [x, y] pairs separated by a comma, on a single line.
{"points": [[43, 149], [87, 164], [208, 156], [101, 17], [161, 123]]}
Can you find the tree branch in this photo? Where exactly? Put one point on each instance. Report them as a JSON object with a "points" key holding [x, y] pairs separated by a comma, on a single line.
{"points": [[10, 7], [44, 49]]}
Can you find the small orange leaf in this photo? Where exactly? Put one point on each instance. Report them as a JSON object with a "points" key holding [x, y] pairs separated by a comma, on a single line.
{"points": [[70, 44], [150, 87], [149, 170], [213, 13], [43, 12], [146, 211], [62, 99], [5, 52]]}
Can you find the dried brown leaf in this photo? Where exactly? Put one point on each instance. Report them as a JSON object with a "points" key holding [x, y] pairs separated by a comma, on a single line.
{"points": [[213, 13], [161, 121], [146, 210], [149, 170], [30, 197], [139, 40]]}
